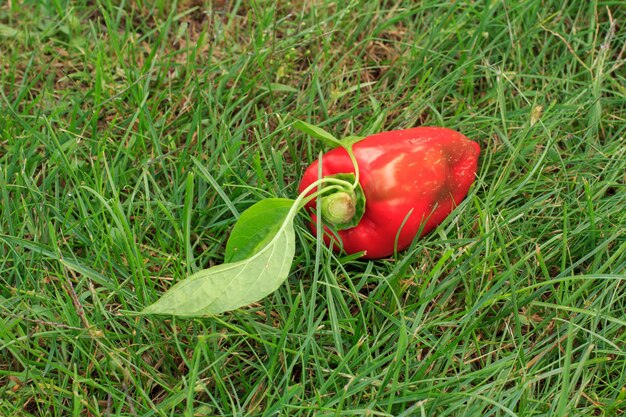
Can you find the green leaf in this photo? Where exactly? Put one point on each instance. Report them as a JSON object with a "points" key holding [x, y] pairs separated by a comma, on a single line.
{"points": [[325, 137], [232, 285], [318, 133], [256, 227]]}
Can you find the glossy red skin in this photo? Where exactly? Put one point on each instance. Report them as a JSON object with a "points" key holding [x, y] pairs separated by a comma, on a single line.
{"points": [[428, 170]]}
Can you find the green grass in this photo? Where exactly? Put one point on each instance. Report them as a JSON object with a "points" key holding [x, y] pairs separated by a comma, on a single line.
{"points": [[514, 306]]}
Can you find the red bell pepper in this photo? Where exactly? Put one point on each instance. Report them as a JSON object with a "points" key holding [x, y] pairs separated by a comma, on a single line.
{"points": [[410, 180], [405, 183]]}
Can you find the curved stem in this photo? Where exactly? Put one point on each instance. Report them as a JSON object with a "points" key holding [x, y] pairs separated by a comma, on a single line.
{"points": [[313, 196], [356, 165], [342, 203], [303, 199]]}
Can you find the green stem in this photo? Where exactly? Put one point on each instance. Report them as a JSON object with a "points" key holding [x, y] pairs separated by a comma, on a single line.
{"points": [[302, 199], [342, 202], [356, 166], [339, 208]]}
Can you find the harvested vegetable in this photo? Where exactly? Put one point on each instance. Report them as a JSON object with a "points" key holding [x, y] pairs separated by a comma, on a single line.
{"points": [[409, 182], [377, 193]]}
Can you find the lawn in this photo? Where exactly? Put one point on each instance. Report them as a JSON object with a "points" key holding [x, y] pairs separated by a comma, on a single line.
{"points": [[134, 133]]}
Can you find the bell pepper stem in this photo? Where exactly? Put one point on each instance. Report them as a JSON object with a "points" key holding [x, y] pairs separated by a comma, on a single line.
{"points": [[348, 149], [337, 184], [339, 207], [341, 204]]}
